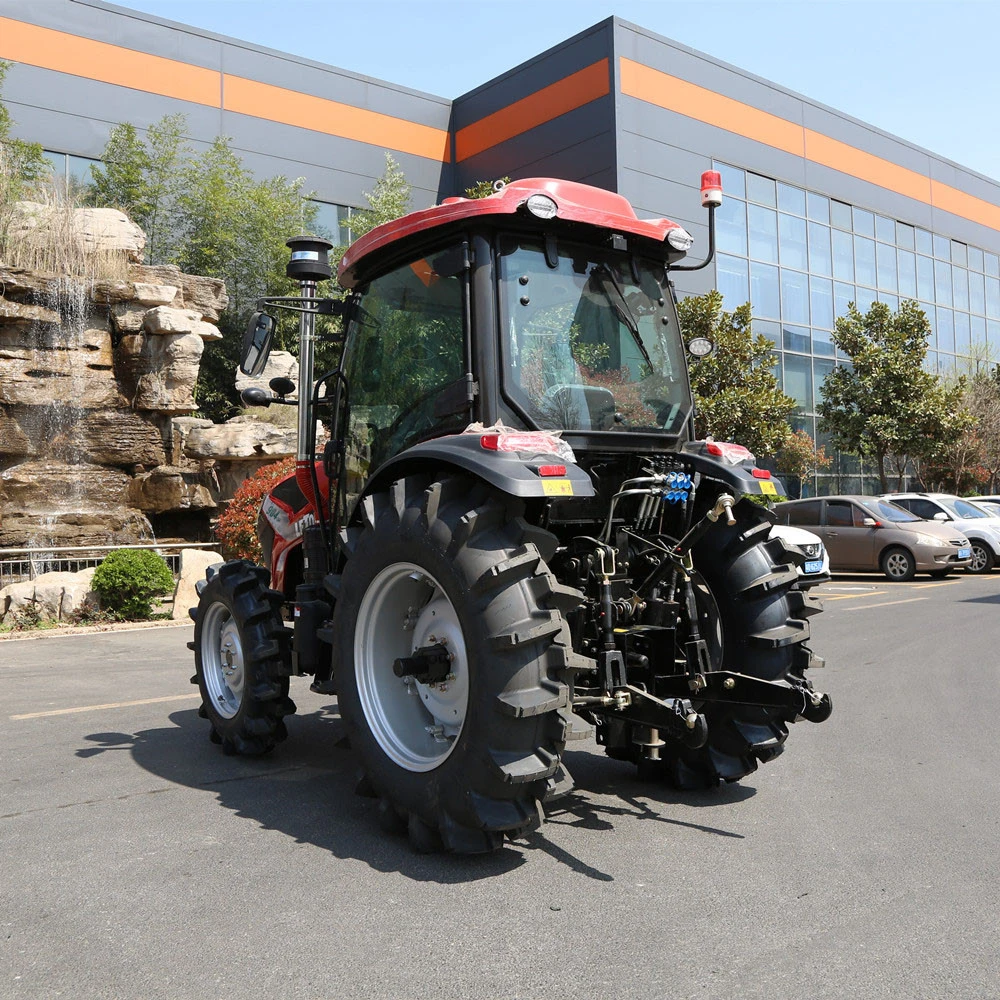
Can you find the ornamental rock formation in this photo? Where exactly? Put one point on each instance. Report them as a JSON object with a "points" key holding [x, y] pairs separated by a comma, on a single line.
{"points": [[97, 376]]}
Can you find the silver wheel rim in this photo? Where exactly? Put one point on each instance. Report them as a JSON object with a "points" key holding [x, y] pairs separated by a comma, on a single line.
{"points": [[416, 725], [897, 565], [222, 663], [978, 563]]}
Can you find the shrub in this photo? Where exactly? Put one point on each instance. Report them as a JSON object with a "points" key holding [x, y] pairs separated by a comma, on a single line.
{"points": [[127, 580], [236, 528]]}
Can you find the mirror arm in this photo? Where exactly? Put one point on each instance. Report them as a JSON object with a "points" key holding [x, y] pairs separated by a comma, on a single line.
{"points": [[711, 246]]}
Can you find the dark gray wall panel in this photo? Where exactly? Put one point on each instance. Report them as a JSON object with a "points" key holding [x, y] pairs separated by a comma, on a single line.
{"points": [[574, 54], [119, 26], [581, 141], [316, 149], [642, 46], [336, 85], [59, 94]]}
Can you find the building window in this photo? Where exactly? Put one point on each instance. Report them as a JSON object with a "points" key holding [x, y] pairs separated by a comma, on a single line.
{"points": [[782, 245]]}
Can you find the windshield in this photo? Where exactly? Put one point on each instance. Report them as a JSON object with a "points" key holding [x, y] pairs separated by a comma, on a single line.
{"points": [[591, 340], [962, 508], [888, 511]]}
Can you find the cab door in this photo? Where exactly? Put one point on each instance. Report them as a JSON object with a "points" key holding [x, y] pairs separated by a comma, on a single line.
{"points": [[850, 543]]}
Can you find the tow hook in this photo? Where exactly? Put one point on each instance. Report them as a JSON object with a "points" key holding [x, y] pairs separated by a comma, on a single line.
{"points": [[818, 707]]}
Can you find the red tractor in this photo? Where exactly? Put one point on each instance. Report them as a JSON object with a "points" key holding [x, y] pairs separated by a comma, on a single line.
{"points": [[510, 538]]}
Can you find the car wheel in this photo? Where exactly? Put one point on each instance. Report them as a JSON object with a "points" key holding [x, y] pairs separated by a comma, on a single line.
{"points": [[982, 558], [898, 565]]}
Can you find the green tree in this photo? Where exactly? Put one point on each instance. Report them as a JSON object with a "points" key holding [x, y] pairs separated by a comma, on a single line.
{"points": [[737, 397], [800, 457], [22, 168], [483, 189], [884, 406], [388, 200], [144, 178]]}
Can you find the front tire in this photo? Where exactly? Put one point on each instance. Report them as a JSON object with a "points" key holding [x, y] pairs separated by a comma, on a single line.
{"points": [[983, 559], [762, 632], [898, 565], [462, 761], [242, 659]]}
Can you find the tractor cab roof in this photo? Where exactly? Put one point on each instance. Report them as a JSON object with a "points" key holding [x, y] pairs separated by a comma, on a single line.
{"points": [[571, 201]]}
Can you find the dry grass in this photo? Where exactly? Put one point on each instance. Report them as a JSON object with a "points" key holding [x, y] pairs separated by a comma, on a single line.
{"points": [[43, 235]]}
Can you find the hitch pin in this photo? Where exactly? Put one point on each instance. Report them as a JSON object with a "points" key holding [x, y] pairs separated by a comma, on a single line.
{"points": [[724, 505]]}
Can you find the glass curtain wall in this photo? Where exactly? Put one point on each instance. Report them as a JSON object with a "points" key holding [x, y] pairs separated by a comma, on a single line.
{"points": [[800, 257]]}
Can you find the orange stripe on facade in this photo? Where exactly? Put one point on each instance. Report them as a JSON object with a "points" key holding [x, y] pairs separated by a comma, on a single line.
{"points": [[290, 107], [54, 50], [567, 94], [105, 63], [692, 101]]}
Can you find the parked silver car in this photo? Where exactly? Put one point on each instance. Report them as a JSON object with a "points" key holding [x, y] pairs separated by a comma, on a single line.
{"points": [[976, 523], [869, 533]]}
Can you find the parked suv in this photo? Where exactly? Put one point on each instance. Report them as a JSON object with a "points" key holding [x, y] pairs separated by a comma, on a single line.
{"points": [[977, 524], [868, 533]]}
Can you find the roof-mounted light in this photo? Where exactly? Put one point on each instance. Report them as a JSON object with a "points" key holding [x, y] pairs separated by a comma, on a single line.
{"points": [[542, 206], [711, 189], [680, 239]]}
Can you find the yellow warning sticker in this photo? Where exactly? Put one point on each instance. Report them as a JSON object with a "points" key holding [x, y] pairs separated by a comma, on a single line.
{"points": [[557, 487], [766, 486]]}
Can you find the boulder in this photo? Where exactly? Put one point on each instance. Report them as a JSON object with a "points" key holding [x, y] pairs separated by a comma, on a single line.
{"points": [[194, 562], [155, 295], [127, 317], [165, 319], [121, 526], [168, 488], [158, 372], [241, 437], [207, 331], [27, 314], [120, 437], [46, 486], [177, 432], [56, 596], [104, 230], [206, 295]]}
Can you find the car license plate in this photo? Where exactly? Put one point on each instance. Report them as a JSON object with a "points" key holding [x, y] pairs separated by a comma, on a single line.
{"points": [[965, 553], [814, 566]]}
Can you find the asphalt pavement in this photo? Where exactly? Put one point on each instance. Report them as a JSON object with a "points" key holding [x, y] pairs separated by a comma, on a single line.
{"points": [[139, 862]]}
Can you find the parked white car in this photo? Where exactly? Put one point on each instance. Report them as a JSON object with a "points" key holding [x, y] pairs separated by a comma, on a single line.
{"points": [[816, 568], [975, 522]]}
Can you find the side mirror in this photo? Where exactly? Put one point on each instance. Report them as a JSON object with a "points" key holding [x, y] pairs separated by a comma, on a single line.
{"points": [[941, 516], [255, 396], [281, 386], [257, 343], [869, 522]]}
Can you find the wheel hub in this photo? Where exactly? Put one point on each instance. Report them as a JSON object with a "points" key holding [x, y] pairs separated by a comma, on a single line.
{"points": [[405, 615], [222, 661]]}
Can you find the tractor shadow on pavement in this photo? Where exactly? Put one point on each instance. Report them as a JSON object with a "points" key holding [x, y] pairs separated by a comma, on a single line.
{"points": [[306, 790]]}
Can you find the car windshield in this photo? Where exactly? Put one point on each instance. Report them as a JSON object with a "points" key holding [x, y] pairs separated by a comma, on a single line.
{"points": [[885, 510], [990, 507], [591, 339], [962, 508]]}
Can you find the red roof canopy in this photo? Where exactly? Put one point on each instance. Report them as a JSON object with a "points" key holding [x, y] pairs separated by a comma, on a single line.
{"points": [[575, 202]]}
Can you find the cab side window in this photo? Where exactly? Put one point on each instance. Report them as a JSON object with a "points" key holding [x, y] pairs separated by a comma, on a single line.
{"points": [[405, 349], [804, 514], [922, 508], [839, 514]]}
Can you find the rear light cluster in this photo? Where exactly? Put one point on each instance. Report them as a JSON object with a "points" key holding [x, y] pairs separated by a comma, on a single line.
{"points": [[731, 454], [532, 442]]}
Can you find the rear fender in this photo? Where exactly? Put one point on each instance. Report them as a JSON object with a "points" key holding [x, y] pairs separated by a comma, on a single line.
{"points": [[513, 473]]}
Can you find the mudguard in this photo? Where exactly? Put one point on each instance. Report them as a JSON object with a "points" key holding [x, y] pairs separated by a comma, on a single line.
{"points": [[516, 473]]}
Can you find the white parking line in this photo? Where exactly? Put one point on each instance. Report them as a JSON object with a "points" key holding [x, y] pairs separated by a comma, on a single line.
{"points": [[885, 604], [98, 708]]}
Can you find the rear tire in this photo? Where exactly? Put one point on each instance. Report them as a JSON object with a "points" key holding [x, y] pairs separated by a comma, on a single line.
{"points": [[898, 565], [463, 762], [983, 559], [754, 583], [242, 659]]}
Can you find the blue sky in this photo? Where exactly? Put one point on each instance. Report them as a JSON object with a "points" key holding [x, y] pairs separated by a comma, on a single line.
{"points": [[925, 71]]}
